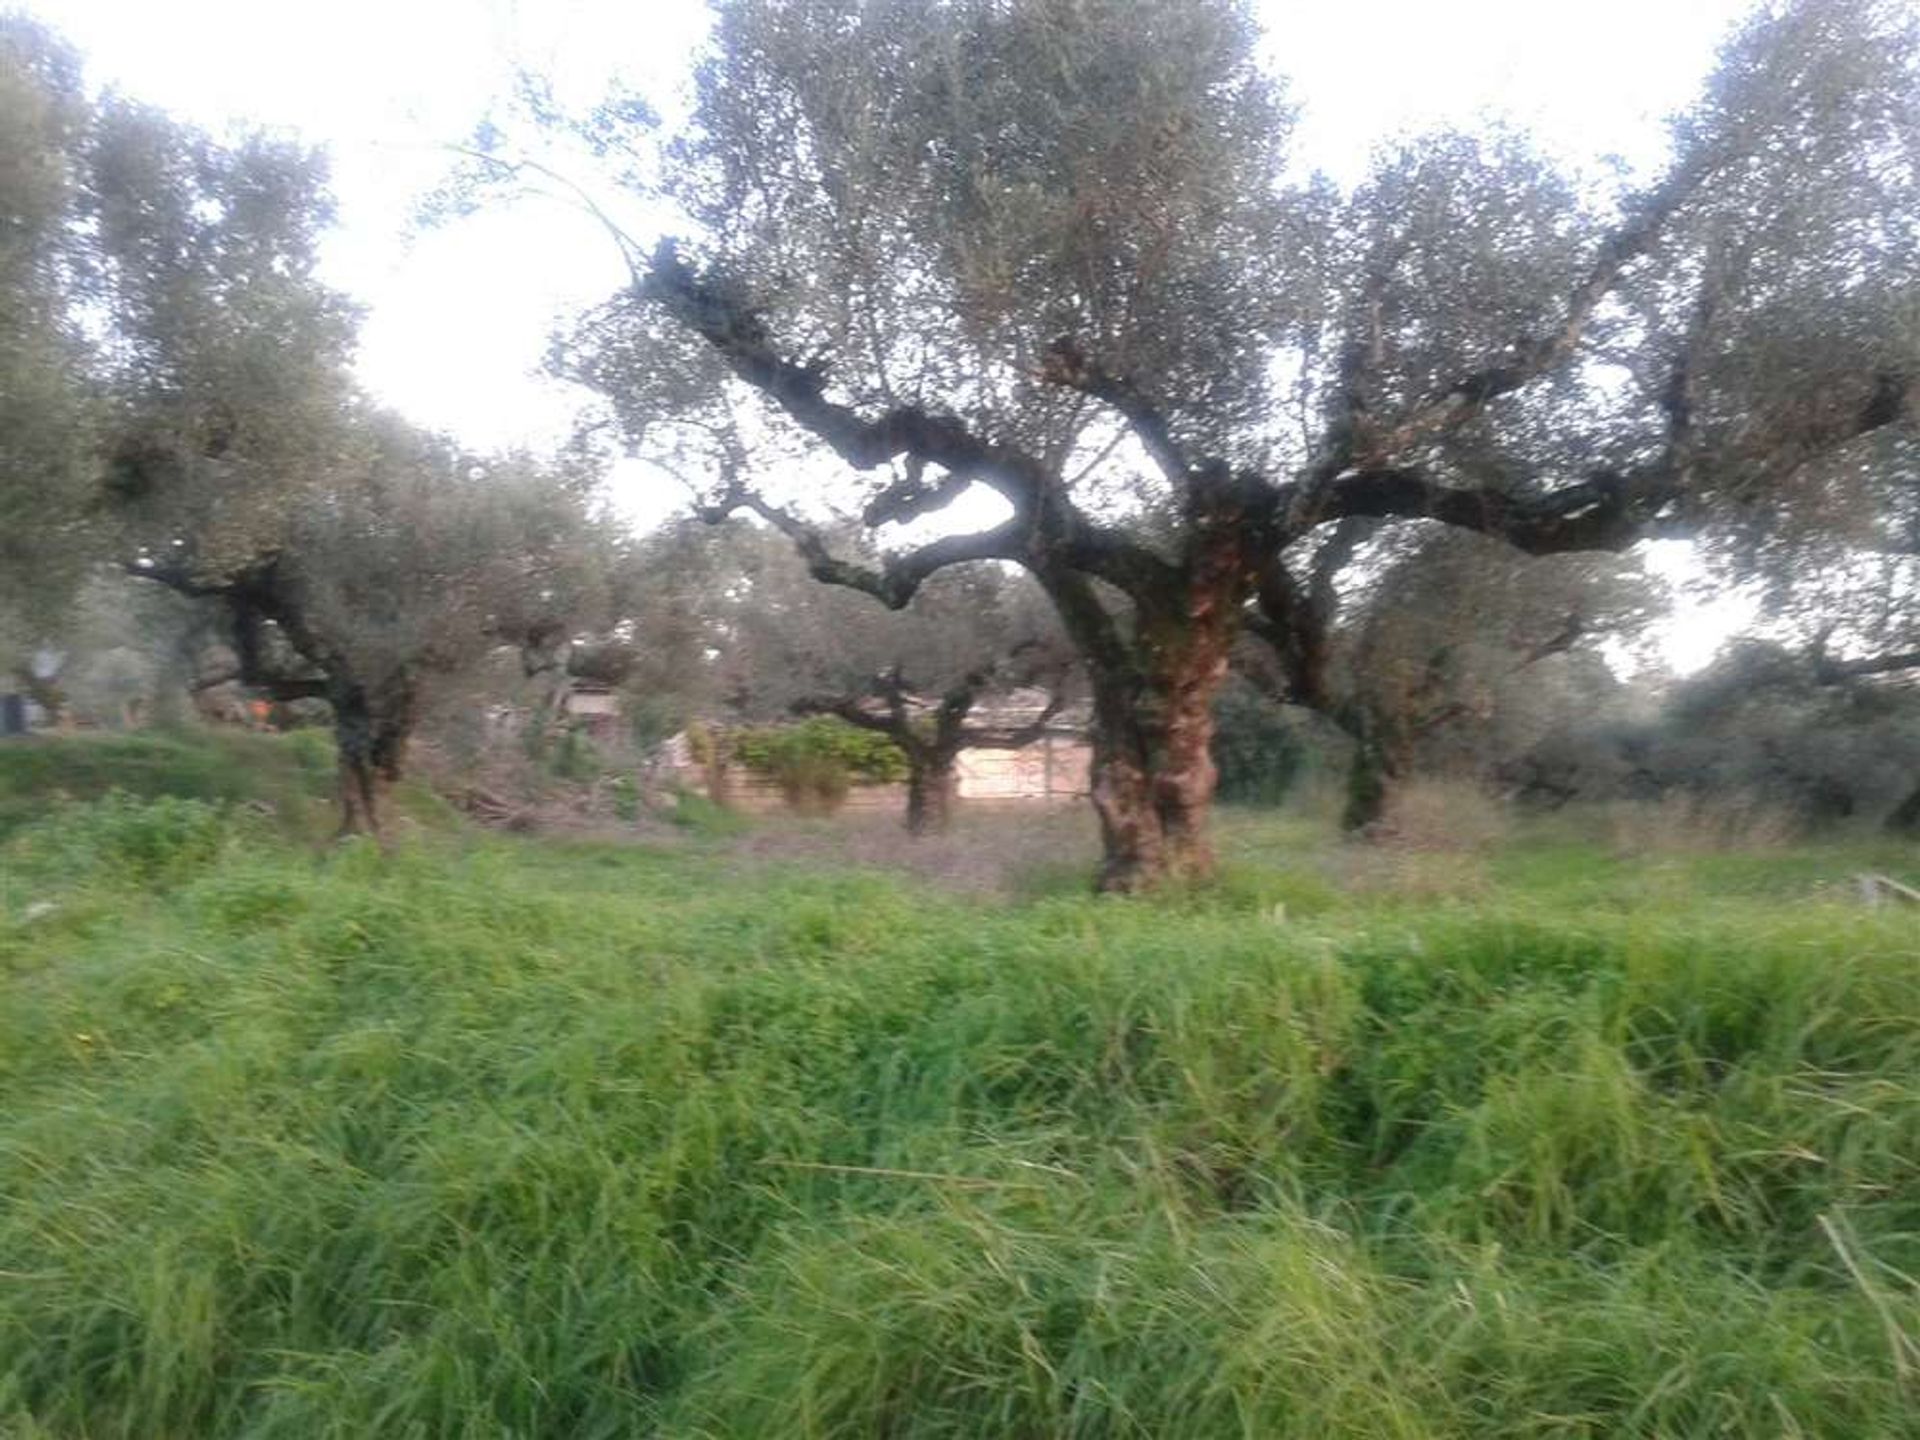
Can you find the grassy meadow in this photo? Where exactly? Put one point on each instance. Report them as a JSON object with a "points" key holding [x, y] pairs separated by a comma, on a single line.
{"points": [[704, 1134]]}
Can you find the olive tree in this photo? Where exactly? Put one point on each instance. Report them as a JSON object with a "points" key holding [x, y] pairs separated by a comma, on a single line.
{"points": [[176, 400], [728, 615], [1050, 250], [919, 678], [1444, 650], [47, 414]]}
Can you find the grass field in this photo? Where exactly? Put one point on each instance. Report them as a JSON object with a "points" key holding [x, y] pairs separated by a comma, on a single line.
{"points": [[497, 1137]]}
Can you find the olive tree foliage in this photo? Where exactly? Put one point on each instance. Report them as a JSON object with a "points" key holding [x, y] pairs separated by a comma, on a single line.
{"points": [[409, 561], [1847, 595], [1841, 612], [1447, 652], [228, 455], [1814, 714], [47, 419], [354, 555], [1049, 250], [135, 653], [1764, 728]]}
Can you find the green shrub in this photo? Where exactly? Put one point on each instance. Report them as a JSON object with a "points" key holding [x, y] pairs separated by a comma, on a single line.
{"points": [[816, 760], [574, 756], [313, 748], [37, 773], [289, 775], [652, 719]]}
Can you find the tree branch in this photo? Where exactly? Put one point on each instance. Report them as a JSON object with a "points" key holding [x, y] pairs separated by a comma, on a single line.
{"points": [[1296, 620], [628, 247], [252, 597], [899, 578], [1533, 358], [1572, 630], [1609, 510], [1067, 365], [950, 730], [1892, 398], [741, 339], [1831, 672], [847, 708], [1021, 736], [911, 497], [1043, 520]]}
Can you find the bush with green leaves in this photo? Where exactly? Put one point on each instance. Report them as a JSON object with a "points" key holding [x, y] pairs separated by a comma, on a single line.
{"points": [[695, 813], [38, 772], [652, 719], [574, 756], [815, 761]]}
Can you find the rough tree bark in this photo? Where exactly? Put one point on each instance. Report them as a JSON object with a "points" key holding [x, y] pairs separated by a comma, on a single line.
{"points": [[1371, 774], [1153, 768], [371, 728], [932, 787]]}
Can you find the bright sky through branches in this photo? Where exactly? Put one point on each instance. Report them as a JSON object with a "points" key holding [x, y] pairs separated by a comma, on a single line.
{"points": [[458, 318]]}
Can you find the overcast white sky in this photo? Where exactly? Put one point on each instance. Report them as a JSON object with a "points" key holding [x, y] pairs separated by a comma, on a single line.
{"points": [[458, 318]]}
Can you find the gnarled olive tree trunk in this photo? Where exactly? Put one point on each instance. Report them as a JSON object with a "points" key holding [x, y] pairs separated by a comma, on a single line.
{"points": [[1153, 770], [371, 728], [932, 787], [1154, 774], [1372, 773]]}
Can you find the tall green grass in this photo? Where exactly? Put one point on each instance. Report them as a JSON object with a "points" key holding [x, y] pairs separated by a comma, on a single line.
{"points": [[289, 776], [286, 779], [481, 1138]]}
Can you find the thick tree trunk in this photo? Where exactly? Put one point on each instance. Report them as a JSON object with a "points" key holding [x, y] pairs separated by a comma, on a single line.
{"points": [[1153, 783], [359, 793], [1154, 774], [1184, 773], [370, 733], [1132, 837], [931, 788], [1369, 776], [1383, 758], [353, 739]]}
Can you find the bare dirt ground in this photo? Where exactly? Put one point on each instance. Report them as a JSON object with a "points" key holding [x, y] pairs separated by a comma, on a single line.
{"points": [[1008, 849]]}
